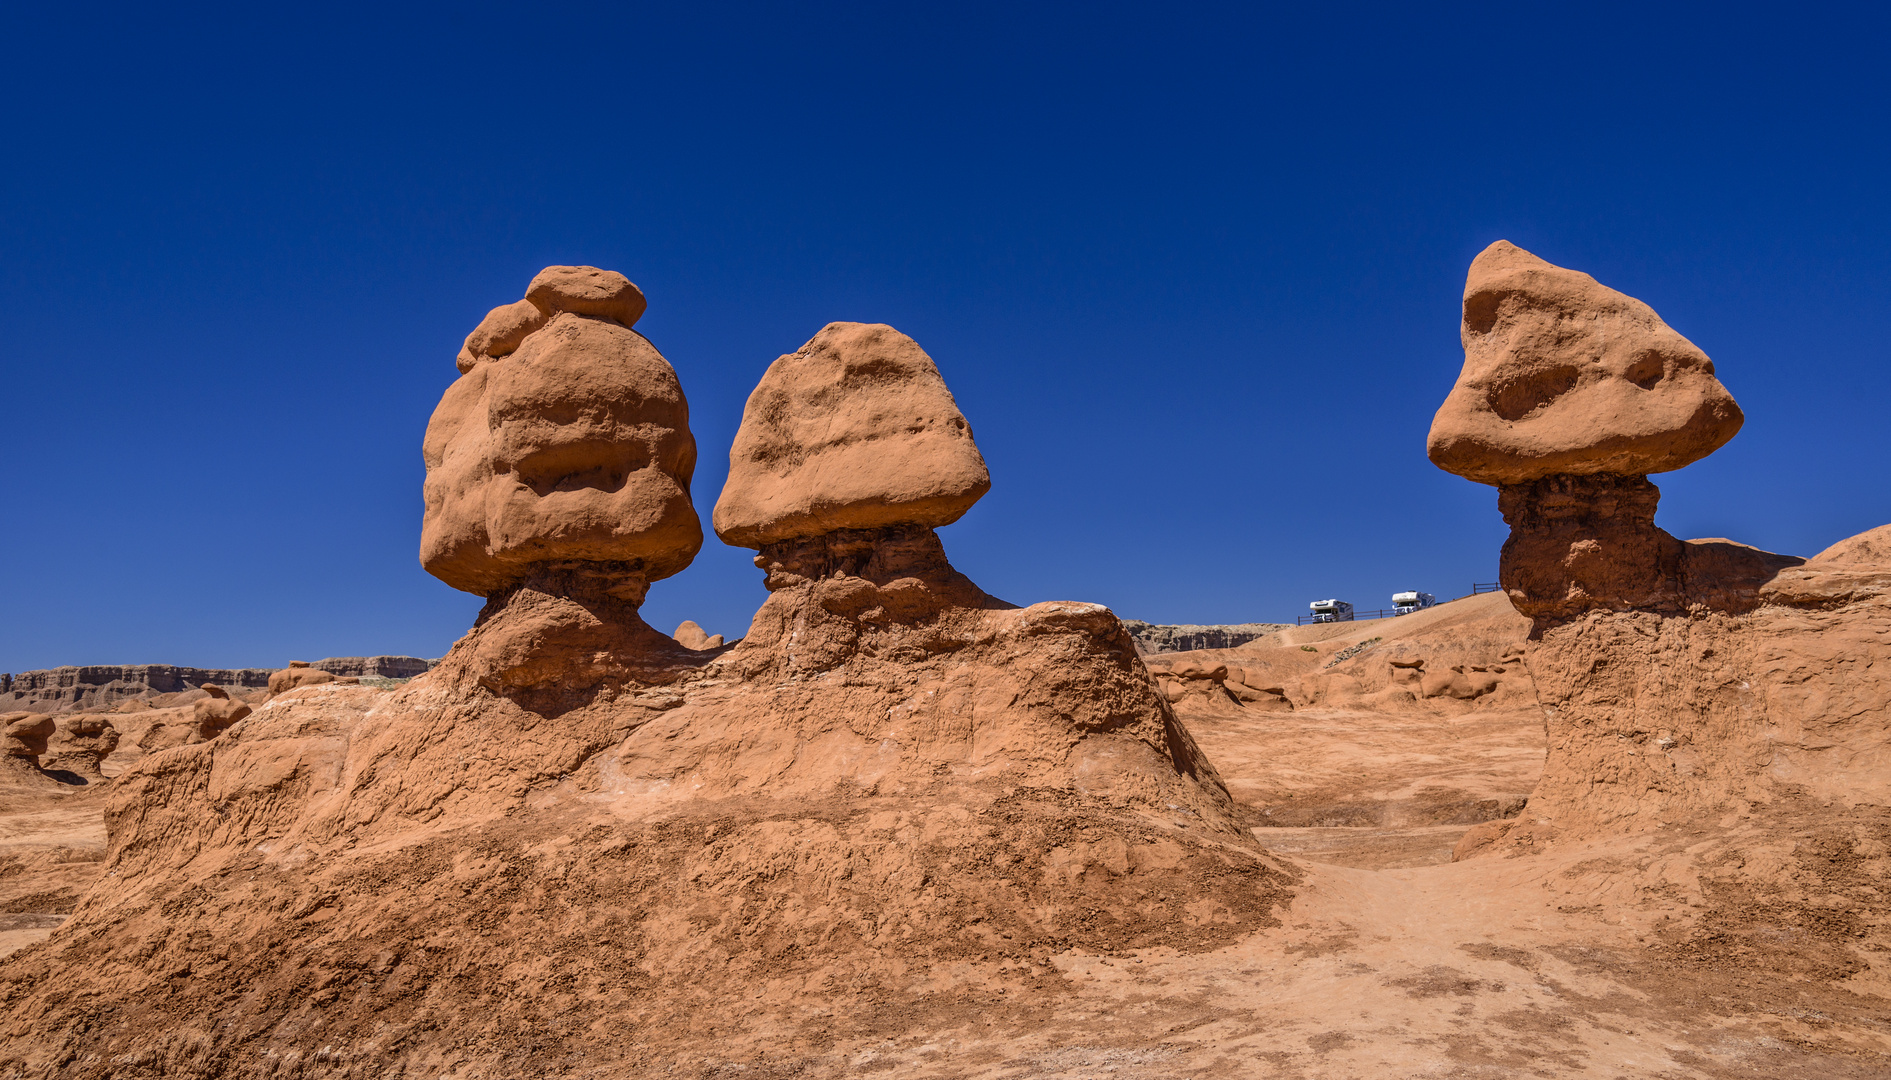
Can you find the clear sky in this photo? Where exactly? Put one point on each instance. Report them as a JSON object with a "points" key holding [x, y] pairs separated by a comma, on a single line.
{"points": [[1192, 272]]}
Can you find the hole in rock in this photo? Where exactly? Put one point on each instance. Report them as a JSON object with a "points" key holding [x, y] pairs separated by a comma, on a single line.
{"points": [[604, 466], [1480, 311], [1532, 391], [1647, 370]]}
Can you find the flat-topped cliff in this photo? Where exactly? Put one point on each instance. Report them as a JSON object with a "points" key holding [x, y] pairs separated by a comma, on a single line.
{"points": [[94, 685]]}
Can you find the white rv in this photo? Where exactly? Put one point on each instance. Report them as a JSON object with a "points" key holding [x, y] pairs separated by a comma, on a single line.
{"points": [[1331, 611], [1404, 603]]}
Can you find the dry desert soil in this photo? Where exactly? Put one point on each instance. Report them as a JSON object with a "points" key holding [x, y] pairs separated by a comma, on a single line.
{"points": [[1629, 957]]}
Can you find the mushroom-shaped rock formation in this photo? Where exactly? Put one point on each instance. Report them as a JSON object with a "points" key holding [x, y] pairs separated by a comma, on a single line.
{"points": [[1681, 679], [892, 777], [565, 442], [558, 471], [1564, 375], [1571, 393], [23, 739], [855, 430], [218, 711], [79, 742]]}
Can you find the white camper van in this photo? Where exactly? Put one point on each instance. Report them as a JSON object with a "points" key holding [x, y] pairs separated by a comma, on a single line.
{"points": [[1331, 611]]}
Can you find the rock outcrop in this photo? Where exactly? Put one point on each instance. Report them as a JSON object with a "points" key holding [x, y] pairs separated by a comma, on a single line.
{"points": [[217, 712], [1152, 638], [566, 440], [855, 430], [23, 739], [79, 743], [1681, 679], [892, 779], [298, 674], [691, 636], [101, 686]]}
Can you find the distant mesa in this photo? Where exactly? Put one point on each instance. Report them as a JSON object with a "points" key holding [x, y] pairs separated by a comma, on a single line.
{"points": [[1152, 638], [99, 686]]}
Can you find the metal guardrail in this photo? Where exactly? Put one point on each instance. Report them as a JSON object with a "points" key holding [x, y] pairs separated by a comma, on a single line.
{"points": [[1382, 613], [1386, 613]]}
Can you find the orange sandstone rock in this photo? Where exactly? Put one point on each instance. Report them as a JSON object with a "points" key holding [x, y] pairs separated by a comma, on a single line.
{"points": [[24, 735], [691, 636], [218, 711], [573, 446], [297, 674], [78, 744], [855, 430], [1563, 375]]}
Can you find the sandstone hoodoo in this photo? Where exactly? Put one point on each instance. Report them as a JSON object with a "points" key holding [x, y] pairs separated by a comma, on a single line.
{"points": [[1680, 678], [23, 738], [855, 430], [893, 784], [218, 711], [1571, 394], [78, 744], [566, 441]]}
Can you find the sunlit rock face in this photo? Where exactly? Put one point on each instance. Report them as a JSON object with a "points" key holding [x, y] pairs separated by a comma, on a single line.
{"points": [[565, 441], [854, 430], [1563, 375]]}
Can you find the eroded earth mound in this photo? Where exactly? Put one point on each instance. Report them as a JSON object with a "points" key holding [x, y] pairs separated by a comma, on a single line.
{"points": [[894, 790], [903, 828]]}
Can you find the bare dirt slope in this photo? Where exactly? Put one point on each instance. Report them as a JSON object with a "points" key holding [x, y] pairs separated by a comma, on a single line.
{"points": [[1743, 946]]}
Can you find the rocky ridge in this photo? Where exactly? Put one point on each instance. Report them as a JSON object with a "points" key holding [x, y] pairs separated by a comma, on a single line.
{"points": [[95, 686], [1152, 638], [892, 776]]}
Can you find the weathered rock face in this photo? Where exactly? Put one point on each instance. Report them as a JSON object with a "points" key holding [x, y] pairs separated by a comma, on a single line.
{"points": [[1656, 716], [566, 440], [1154, 638], [1563, 375], [102, 685], [892, 774], [1582, 543], [856, 430], [1680, 678], [78, 744]]}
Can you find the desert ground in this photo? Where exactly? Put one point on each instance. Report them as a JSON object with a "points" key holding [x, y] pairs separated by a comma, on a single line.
{"points": [[1628, 958], [1628, 816]]}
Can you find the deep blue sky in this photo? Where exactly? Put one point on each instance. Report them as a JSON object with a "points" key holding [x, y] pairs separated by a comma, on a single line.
{"points": [[1193, 274]]}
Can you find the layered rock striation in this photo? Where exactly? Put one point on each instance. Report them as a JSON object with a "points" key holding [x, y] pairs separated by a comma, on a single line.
{"points": [[103, 685], [1680, 678], [1154, 638]]}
